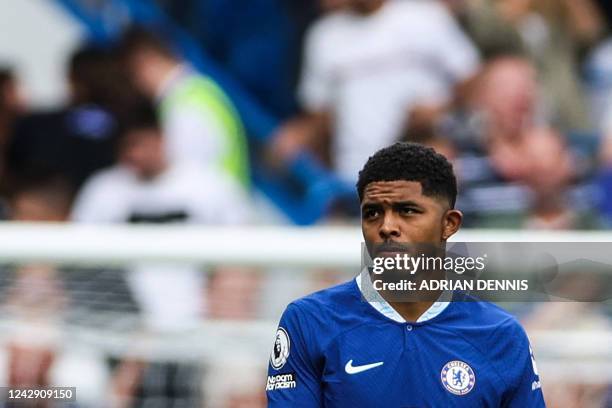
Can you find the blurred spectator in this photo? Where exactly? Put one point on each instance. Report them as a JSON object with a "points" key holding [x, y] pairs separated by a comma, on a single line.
{"points": [[598, 69], [77, 140], [599, 76], [554, 33], [506, 101], [145, 187], [199, 122], [333, 5], [606, 9], [523, 151], [44, 199], [365, 66], [514, 170], [502, 104], [551, 170], [36, 299], [231, 294], [606, 154], [237, 367], [97, 77], [12, 103], [506, 98]]}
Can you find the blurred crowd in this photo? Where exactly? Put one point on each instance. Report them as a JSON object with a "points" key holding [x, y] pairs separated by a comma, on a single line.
{"points": [[513, 92], [516, 93]]}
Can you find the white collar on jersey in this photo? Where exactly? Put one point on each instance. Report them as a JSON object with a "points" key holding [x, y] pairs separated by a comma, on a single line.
{"points": [[380, 304]]}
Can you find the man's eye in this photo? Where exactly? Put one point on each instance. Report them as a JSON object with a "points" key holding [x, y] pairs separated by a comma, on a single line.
{"points": [[370, 213], [407, 211]]}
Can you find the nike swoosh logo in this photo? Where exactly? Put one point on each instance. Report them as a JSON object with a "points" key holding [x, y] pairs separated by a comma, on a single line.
{"points": [[351, 369]]}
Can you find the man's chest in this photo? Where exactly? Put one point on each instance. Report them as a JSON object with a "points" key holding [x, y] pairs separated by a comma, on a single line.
{"points": [[385, 50], [407, 366]]}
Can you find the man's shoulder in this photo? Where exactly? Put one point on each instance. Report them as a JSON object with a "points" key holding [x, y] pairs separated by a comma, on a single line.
{"points": [[110, 177], [326, 314], [424, 6], [193, 88], [104, 195], [396, 14], [417, 16], [417, 10], [330, 22], [487, 324], [498, 337], [331, 299]]}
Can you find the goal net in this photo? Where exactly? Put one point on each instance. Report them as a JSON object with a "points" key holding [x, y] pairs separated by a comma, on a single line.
{"points": [[185, 317]]}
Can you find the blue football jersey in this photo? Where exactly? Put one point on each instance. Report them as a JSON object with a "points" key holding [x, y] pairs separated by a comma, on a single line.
{"points": [[334, 349]]}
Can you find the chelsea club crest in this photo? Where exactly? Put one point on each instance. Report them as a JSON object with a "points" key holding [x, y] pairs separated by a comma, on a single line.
{"points": [[458, 377]]}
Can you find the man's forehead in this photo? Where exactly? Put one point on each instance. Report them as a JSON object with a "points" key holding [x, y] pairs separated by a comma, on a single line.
{"points": [[398, 189]]}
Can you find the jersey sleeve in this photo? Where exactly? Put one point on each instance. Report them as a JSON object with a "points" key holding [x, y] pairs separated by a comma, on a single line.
{"points": [[293, 377], [525, 388]]}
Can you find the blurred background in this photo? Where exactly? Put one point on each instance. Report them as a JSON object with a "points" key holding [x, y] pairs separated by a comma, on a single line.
{"points": [[241, 126]]}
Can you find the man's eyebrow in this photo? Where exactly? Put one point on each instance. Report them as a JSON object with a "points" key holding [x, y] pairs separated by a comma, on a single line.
{"points": [[405, 203], [370, 205]]}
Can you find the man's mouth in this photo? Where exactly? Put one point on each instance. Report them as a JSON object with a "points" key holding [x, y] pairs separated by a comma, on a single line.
{"points": [[390, 250]]}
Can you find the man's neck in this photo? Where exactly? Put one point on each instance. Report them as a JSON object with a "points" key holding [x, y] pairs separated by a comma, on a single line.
{"points": [[154, 174], [369, 9], [169, 74], [411, 311], [415, 306]]}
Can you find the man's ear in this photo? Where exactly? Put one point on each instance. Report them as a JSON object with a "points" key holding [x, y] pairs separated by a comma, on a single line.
{"points": [[451, 223]]}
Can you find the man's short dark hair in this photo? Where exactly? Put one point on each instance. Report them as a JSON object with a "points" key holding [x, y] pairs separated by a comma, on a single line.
{"points": [[140, 117], [411, 162], [136, 39]]}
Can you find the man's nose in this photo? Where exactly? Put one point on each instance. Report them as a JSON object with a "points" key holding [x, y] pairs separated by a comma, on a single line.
{"points": [[389, 227]]}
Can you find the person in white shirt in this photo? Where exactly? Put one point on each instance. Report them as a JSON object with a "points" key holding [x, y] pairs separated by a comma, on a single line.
{"points": [[145, 187], [365, 67]]}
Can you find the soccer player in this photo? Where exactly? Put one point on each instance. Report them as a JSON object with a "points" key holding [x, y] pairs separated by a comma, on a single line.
{"points": [[335, 349]]}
